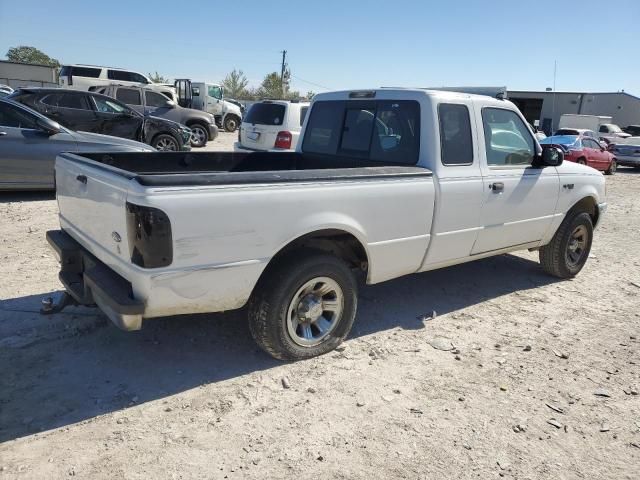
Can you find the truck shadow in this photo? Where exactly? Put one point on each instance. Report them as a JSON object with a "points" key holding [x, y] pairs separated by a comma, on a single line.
{"points": [[74, 366], [8, 197]]}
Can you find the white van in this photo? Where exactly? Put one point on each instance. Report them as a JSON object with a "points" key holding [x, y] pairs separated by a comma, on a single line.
{"points": [[272, 125], [84, 77]]}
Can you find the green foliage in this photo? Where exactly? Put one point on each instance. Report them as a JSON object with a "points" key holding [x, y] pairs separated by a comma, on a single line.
{"points": [[157, 78], [30, 55], [235, 84]]}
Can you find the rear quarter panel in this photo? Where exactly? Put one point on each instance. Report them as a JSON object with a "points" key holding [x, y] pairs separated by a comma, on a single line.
{"points": [[224, 237]]}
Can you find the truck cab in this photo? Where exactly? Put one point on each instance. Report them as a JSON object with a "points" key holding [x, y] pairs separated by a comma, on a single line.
{"points": [[209, 97]]}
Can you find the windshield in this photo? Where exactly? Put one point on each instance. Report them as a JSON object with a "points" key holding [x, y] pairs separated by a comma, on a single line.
{"points": [[614, 128], [567, 140], [265, 114]]}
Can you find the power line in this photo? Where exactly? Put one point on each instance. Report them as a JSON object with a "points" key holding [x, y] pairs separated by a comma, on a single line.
{"points": [[312, 83]]}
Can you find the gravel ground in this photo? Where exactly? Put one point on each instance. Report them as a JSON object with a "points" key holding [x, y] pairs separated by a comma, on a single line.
{"points": [[540, 379]]}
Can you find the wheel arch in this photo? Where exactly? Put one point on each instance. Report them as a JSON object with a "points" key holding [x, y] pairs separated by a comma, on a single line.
{"points": [[336, 241], [587, 204]]}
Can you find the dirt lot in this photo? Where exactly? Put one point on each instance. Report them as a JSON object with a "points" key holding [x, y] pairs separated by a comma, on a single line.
{"points": [[542, 383]]}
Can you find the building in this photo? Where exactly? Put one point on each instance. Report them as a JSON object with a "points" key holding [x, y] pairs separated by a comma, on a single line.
{"points": [[24, 75], [548, 106]]}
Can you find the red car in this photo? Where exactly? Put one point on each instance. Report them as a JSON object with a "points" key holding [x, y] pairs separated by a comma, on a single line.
{"points": [[584, 150]]}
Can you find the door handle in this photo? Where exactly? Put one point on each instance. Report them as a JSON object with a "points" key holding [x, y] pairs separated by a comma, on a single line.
{"points": [[2, 134], [82, 179], [497, 187]]}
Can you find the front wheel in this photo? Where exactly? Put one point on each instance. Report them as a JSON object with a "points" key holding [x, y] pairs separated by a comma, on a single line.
{"points": [[165, 143], [305, 307], [613, 166], [569, 248], [199, 135]]}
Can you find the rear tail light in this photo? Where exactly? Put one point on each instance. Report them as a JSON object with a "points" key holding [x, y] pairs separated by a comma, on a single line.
{"points": [[149, 234], [283, 140], [69, 80]]}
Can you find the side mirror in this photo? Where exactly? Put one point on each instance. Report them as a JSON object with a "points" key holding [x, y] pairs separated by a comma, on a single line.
{"points": [[170, 104], [550, 157], [48, 126]]}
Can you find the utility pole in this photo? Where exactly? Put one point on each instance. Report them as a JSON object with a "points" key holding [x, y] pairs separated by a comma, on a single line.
{"points": [[284, 65]]}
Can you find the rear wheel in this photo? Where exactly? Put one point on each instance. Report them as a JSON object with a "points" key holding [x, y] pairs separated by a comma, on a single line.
{"points": [[165, 143], [199, 135], [305, 307], [582, 161], [613, 166], [231, 123], [569, 248]]}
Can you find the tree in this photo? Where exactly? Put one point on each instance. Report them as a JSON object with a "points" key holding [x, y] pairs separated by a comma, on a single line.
{"points": [[31, 55], [157, 78], [235, 84], [310, 94], [271, 86]]}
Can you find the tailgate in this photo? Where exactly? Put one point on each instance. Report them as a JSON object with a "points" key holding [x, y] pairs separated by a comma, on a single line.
{"points": [[92, 203], [260, 137]]}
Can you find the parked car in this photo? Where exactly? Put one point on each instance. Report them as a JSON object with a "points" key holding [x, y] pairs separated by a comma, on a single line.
{"points": [[584, 150], [5, 90], [96, 113], [145, 101], [86, 77], [627, 152], [633, 130], [30, 142], [611, 132], [583, 132], [272, 125], [383, 183]]}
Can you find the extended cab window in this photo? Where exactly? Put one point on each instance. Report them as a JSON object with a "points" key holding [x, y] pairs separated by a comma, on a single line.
{"points": [[129, 96], [385, 131], [507, 139], [455, 134]]}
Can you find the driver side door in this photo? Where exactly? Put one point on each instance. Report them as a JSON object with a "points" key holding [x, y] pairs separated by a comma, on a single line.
{"points": [[116, 118], [520, 200]]}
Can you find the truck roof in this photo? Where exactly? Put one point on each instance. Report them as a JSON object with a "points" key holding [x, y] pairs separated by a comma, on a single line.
{"points": [[398, 93]]}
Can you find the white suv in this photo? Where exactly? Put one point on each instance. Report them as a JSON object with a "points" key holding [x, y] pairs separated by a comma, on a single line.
{"points": [[272, 125], [89, 77]]}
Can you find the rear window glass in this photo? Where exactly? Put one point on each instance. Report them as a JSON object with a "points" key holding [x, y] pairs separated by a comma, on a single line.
{"points": [[128, 96], [386, 131], [68, 100], [80, 72], [567, 131], [455, 134], [266, 114]]}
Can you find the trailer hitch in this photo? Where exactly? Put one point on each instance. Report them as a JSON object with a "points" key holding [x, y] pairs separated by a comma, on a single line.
{"points": [[51, 305]]}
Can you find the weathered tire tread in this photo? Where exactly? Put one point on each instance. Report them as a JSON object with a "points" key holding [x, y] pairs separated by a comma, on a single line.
{"points": [[263, 306], [552, 254]]}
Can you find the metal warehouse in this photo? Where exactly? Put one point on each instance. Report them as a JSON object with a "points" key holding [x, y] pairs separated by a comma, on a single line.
{"points": [[548, 106], [24, 75]]}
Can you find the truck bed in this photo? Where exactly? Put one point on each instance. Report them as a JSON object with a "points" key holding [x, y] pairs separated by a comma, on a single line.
{"points": [[221, 168]]}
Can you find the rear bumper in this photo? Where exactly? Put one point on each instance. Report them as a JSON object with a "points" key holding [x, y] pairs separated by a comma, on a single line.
{"points": [[91, 282]]}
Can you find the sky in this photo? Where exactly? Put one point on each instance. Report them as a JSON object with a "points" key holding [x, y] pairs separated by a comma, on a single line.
{"points": [[345, 44]]}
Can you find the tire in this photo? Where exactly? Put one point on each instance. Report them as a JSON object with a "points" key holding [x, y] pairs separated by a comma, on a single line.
{"points": [[164, 142], [231, 123], [279, 300], [569, 248], [581, 161], [612, 168], [199, 135]]}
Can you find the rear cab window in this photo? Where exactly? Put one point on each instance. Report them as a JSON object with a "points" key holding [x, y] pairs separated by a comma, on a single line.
{"points": [[266, 114], [378, 130]]}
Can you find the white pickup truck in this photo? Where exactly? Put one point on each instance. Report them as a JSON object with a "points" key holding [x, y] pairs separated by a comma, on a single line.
{"points": [[384, 183]]}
